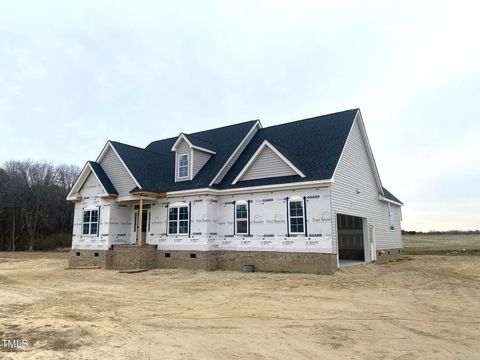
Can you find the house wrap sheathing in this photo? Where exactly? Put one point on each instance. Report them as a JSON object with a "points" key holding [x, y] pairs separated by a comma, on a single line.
{"points": [[303, 196]]}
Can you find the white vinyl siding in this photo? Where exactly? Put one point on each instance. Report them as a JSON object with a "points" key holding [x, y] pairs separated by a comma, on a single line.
{"points": [[237, 155], [354, 192], [267, 165], [117, 173], [199, 159], [182, 149]]}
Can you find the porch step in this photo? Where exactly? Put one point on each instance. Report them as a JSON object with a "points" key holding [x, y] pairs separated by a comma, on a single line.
{"points": [[83, 267], [133, 271]]}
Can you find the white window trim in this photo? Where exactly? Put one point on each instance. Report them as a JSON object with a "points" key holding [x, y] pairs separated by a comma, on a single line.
{"points": [[237, 203], [391, 219], [90, 222], [296, 199], [187, 166], [178, 206]]}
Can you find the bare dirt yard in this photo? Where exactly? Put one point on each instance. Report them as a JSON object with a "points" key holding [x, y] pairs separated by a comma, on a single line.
{"points": [[425, 307]]}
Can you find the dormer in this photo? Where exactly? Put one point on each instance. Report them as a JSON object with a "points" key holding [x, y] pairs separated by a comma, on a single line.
{"points": [[191, 154]]}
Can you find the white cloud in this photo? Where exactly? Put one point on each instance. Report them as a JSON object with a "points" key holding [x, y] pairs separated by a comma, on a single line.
{"points": [[75, 74]]}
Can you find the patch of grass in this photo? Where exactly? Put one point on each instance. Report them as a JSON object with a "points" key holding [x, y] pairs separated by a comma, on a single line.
{"points": [[442, 244], [54, 242]]}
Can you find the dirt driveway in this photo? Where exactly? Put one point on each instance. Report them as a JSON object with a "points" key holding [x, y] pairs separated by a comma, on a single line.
{"points": [[427, 307]]}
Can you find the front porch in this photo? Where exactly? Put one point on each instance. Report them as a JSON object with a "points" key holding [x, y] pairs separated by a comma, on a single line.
{"points": [[139, 216]]}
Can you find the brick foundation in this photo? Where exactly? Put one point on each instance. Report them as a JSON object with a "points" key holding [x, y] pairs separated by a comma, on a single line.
{"points": [[186, 259], [80, 258], [315, 263], [126, 257], [384, 256]]}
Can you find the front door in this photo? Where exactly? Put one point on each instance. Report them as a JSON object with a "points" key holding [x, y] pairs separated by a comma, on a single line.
{"points": [[145, 226]]}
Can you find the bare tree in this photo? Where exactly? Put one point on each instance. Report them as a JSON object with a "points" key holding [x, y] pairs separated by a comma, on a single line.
{"points": [[32, 201]]}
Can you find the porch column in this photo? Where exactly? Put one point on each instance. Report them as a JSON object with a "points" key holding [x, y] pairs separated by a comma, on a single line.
{"points": [[139, 228]]}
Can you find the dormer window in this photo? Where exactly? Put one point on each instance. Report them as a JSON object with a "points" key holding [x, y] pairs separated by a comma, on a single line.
{"points": [[183, 166], [191, 155]]}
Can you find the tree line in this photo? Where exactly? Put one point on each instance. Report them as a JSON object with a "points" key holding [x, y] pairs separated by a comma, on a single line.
{"points": [[34, 212]]}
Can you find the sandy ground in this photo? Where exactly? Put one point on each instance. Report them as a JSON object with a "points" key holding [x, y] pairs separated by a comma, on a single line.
{"points": [[427, 307]]}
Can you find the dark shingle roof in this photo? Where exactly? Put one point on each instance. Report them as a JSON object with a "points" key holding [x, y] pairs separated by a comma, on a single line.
{"points": [[106, 183], [154, 166], [313, 145], [390, 196], [201, 143]]}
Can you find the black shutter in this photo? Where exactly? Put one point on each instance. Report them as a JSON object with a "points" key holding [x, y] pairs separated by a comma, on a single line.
{"points": [[83, 216], [189, 218], [98, 221], [288, 216], [166, 226], [234, 221], [305, 214], [248, 215]]}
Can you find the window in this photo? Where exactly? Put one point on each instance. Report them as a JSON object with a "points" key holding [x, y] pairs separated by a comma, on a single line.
{"points": [[391, 221], [391, 218], [178, 220], [241, 218], [183, 166], [296, 216], [90, 222]]}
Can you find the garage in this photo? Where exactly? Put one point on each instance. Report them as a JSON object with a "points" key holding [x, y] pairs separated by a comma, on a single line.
{"points": [[351, 248]]}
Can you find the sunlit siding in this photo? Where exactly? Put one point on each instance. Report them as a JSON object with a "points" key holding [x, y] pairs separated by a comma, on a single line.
{"points": [[354, 192], [237, 155], [200, 158], [117, 173], [267, 165], [182, 149]]}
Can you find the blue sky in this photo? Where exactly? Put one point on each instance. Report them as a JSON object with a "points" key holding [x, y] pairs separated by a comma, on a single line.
{"points": [[75, 74]]}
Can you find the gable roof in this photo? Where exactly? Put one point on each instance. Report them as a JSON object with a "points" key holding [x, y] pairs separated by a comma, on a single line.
{"points": [[312, 146], [97, 170], [154, 166], [194, 143], [200, 143], [388, 195], [265, 146], [103, 178]]}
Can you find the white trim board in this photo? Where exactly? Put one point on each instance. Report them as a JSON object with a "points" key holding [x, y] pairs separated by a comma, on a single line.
{"points": [[82, 177], [383, 198], [232, 155], [182, 136], [257, 153], [252, 189]]}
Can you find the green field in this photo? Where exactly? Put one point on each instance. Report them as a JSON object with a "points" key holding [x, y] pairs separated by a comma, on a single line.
{"points": [[441, 244]]}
